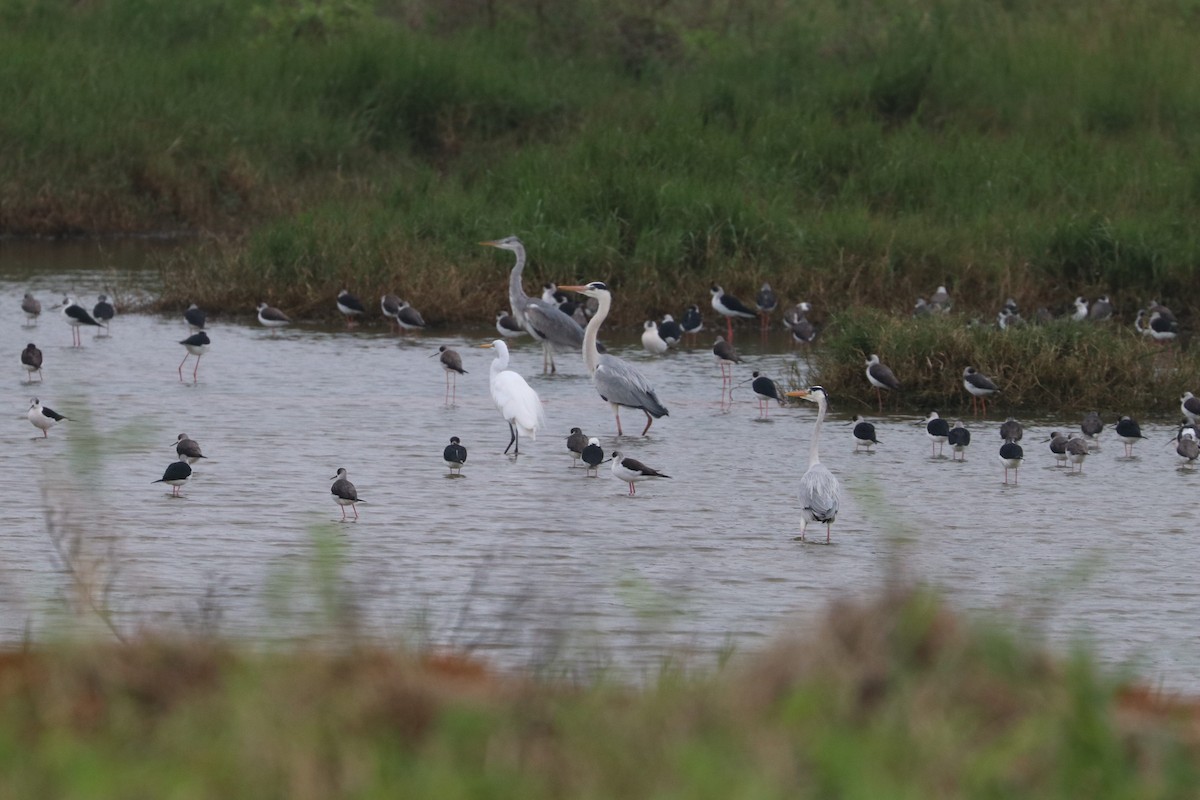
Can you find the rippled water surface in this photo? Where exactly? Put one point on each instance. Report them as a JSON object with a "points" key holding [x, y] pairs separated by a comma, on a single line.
{"points": [[526, 559]]}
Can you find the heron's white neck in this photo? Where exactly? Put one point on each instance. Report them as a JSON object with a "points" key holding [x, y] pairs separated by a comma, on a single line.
{"points": [[501, 362], [517, 298], [813, 458], [591, 353]]}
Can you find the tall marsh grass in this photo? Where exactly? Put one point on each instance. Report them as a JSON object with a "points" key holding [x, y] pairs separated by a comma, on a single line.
{"points": [[866, 151]]}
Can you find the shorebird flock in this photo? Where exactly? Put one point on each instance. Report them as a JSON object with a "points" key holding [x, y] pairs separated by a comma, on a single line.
{"points": [[568, 319]]}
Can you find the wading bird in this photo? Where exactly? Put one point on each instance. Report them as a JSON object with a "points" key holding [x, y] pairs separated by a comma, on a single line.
{"points": [[576, 441], [1011, 456], [632, 471], [516, 401], [104, 312], [271, 317], [692, 323], [593, 457], [188, 449], [1077, 451], [803, 331], [31, 360], [617, 381], [344, 493], [881, 377], [729, 307], [670, 330], [959, 439], [1187, 448], [652, 340], [726, 358], [1101, 310], [1130, 433], [451, 363], [43, 418], [455, 455], [1189, 404], [864, 434], [766, 301], [819, 488], [197, 345], [507, 325], [76, 316], [765, 390], [1091, 428], [408, 318], [196, 318], [176, 475], [350, 307], [1058, 446], [1011, 430], [980, 387], [32, 308], [938, 431], [544, 321]]}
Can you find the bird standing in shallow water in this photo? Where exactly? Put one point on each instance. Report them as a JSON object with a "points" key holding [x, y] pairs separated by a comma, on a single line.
{"points": [[631, 471], [959, 439], [726, 358], [188, 449], [1189, 404], [516, 401], [32, 308], [455, 455], [766, 301], [1091, 428], [197, 345], [196, 318], [864, 434], [76, 316], [408, 318], [271, 317], [729, 307], [575, 444], [451, 363], [980, 387], [1011, 456], [692, 323], [652, 341], [1188, 448], [670, 330], [507, 325], [104, 312], [344, 493], [31, 360], [617, 381], [765, 390], [1130, 433], [1058, 446], [1077, 451], [43, 418], [176, 475], [938, 431], [1011, 430], [350, 307], [881, 377], [819, 489], [593, 457]]}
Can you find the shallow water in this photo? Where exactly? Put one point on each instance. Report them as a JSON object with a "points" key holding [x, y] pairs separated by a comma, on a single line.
{"points": [[525, 560]]}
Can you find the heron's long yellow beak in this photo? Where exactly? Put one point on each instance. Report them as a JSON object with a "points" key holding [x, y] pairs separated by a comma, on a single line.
{"points": [[572, 288], [487, 344], [798, 393], [492, 243]]}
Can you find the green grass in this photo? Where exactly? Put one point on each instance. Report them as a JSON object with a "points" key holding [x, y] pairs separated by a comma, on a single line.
{"points": [[1061, 365], [850, 152], [897, 698]]}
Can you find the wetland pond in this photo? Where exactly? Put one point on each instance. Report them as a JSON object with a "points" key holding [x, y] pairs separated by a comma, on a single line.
{"points": [[526, 562]]}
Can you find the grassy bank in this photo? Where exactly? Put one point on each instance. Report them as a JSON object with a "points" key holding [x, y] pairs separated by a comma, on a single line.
{"points": [[1065, 366], [851, 153], [898, 698]]}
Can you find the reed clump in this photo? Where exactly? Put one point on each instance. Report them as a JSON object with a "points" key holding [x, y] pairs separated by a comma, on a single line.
{"points": [[1061, 365], [898, 697]]}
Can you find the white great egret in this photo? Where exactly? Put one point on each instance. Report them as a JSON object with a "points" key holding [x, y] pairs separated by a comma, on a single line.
{"points": [[617, 381], [515, 399], [545, 322], [819, 488]]}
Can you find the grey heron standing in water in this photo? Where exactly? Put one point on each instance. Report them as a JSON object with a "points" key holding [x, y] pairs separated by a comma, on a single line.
{"points": [[819, 488], [617, 381], [545, 322]]}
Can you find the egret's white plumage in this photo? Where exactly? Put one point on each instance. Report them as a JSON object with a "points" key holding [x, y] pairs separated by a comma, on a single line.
{"points": [[515, 399]]}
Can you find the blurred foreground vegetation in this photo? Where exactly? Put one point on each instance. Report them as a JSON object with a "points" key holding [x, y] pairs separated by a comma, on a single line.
{"points": [[897, 698], [851, 153]]}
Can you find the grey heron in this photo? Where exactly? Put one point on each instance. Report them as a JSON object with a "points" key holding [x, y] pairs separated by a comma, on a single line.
{"points": [[819, 488], [617, 381], [545, 322], [516, 401]]}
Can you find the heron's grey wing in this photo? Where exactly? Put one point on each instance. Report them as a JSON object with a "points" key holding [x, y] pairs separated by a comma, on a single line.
{"points": [[819, 493], [547, 321], [619, 382]]}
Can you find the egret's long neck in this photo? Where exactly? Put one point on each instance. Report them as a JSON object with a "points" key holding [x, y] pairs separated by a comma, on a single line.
{"points": [[813, 458], [591, 353], [516, 295], [501, 362]]}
